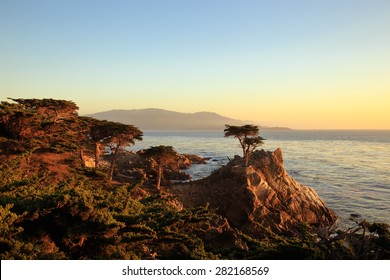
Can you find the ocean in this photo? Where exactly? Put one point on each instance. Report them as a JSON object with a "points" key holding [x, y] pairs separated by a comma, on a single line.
{"points": [[350, 170]]}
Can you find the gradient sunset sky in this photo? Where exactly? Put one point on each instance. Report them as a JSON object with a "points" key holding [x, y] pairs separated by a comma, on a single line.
{"points": [[302, 64]]}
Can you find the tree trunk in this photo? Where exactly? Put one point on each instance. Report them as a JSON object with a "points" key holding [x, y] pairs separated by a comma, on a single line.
{"points": [[242, 146], [159, 175], [82, 157], [97, 153], [247, 154], [112, 167]]}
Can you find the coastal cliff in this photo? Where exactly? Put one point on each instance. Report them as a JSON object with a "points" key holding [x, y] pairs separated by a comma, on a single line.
{"points": [[57, 203], [260, 196]]}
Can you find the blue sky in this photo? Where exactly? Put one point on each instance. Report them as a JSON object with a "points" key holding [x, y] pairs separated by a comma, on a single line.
{"points": [[303, 64]]}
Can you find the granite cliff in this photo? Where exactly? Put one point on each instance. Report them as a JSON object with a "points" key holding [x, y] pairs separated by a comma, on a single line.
{"points": [[260, 196]]}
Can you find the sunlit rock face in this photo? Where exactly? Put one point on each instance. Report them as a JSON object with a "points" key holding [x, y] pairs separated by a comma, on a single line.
{"points": [[260, 196]]}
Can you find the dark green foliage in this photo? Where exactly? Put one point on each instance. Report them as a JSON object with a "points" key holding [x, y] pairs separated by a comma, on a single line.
{"points": [[53, 207], [73, 219], [49, 110], [114, 135], [162, 156], [46, 124]]}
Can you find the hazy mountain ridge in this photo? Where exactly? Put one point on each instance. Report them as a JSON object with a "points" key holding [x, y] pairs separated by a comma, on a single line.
{"points": [[160, 119]]}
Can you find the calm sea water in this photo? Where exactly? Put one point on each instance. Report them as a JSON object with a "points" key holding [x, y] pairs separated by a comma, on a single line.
{"points": [[350, 170]]}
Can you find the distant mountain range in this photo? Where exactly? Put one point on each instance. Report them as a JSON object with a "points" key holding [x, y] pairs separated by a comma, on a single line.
{"points": [[159, 119]]}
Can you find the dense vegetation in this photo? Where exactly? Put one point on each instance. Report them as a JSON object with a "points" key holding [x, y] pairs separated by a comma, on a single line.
{"points": [[54, 207]]}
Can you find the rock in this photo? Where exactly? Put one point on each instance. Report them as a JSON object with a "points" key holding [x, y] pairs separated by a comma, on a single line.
{"points": [[88, 161], [260, 196], [187, 160], [195, 159], [218, 233], [355, 216], [135, 166], [138, 173], [176, 175]]}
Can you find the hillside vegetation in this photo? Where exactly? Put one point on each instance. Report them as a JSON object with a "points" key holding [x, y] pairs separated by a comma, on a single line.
{"points": [[55, 206]]}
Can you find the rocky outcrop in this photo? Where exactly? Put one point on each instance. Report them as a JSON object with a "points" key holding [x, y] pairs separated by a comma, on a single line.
{"points": [[260, 196], [131, 165], [218, 233]]}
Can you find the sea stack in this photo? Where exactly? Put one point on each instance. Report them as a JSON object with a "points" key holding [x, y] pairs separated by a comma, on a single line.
{"points": [[259, 196]]}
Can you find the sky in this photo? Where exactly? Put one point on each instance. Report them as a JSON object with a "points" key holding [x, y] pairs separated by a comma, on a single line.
{"points": [[303, 64]]}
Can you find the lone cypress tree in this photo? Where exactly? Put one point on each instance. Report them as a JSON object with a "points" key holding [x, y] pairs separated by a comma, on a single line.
{"points": [[248, 136]]}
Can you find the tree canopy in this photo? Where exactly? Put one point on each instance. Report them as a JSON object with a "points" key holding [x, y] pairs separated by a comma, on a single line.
{"points": [[50, 109], [39, 123], [162, 156], [120, 136], [54, 125]]}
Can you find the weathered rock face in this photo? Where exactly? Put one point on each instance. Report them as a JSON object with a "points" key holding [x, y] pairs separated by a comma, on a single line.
{"points": [[131, 165], [258, 196]]}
